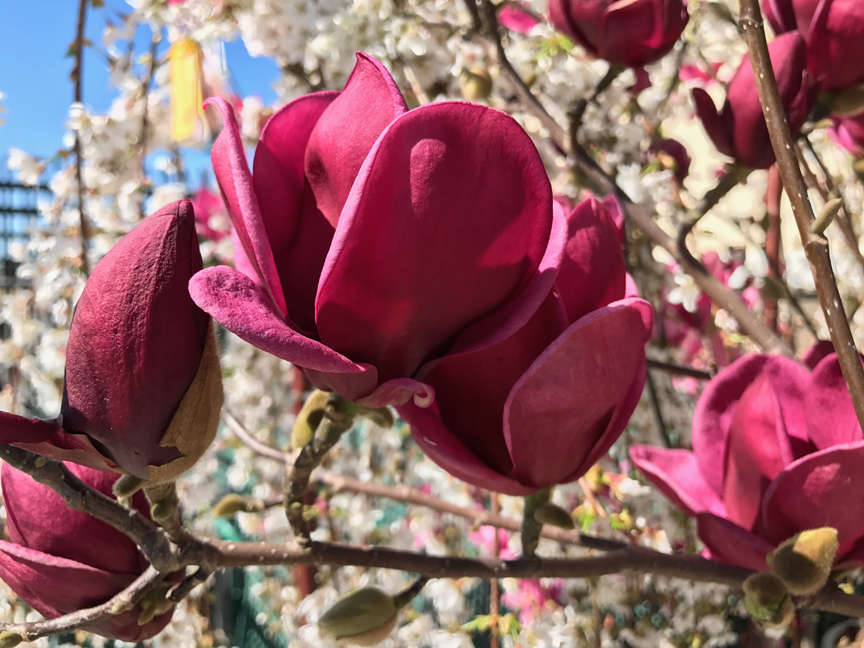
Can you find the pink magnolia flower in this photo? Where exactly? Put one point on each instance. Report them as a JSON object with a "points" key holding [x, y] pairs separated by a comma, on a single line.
{"points": [[629, 33], [135, 345], [208, 207], [777, 449], [739, 130], [531, 598], [849, 133], [540, 406], [833, 31], [373, 239], [59, 560]]}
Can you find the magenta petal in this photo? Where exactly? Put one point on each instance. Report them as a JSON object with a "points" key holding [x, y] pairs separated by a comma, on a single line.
{"points": [[237, 303], [471, 387], [347, 130], [826, 400], [30, 430], [713, 416], [677, 475], [593, 272], [562, 406], [821, 489], [445, 449], [718, 126], [235, 181], [448, 219], [56, 586], [729, 543], [816, 353], [298, 233], [399, 391]]}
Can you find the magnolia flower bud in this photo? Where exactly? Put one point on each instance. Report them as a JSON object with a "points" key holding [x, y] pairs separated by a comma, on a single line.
{"points": [[363, 617], [234, 503], [309, 418], [804, 561], [553, 514], [767, 600], [475, 83]]}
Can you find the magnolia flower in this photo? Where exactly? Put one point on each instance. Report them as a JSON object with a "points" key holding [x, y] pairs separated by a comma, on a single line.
{"points": [[629, 33], [739, 129], [142, 390], [766, 463], [541, 406], [373, 240], [60, 560]]}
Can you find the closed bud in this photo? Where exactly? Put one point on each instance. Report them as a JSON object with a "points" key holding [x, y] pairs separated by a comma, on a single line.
{"points": [[767, 600], [804, 561], [309, 418], [553, 514], [475, 83], [234, 503], [364, 617], [10, 639]]}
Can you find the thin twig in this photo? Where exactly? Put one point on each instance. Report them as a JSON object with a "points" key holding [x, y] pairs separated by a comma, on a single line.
{"points": [[827, 192], [773, 247], [657, 408], [669, 367], [143, 131], [120, 602], [815, 245], [77, 77]]}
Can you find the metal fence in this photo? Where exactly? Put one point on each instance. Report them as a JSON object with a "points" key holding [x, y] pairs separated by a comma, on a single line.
{"points": [[18, 211]]}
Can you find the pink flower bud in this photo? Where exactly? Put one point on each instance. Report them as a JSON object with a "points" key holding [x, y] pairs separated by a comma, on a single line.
{"points": [[629, 33], [739, 129], [143, 385], [765, 465], [59, 560]]}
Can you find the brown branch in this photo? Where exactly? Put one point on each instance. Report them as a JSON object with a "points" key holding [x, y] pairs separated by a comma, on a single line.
{"points": [[815, 244], [601, 182], [828, 191], [773, 247], [680, 370], [77, 77], [144, 129], [120, 602]]}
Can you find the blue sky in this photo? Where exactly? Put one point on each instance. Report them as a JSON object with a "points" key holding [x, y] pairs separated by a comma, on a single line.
{"points": [[34, 72]]}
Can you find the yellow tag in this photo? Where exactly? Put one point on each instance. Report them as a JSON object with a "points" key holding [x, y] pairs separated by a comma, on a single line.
{"points": [[185, 58]]}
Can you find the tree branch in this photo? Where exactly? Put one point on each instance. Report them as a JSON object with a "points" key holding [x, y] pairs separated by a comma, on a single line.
{"points": [[77, 77], [117, 604], [815, 244]]}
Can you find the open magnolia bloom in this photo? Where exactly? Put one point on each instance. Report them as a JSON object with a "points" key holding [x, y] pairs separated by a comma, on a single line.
{"points": [[372, 240], [143, 386], [777, 449], [59, 560], [739, 129], [541, 406]]}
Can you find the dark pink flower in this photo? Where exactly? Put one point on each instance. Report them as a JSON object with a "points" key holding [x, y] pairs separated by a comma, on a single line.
{"points": [[135, 345], [849, 133], [739, 130], [833, 31], [517, 17], [629, 33], [544, 404], [777, 449], [59, 560], [208, 207], [374, 239], [676, 152]]}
